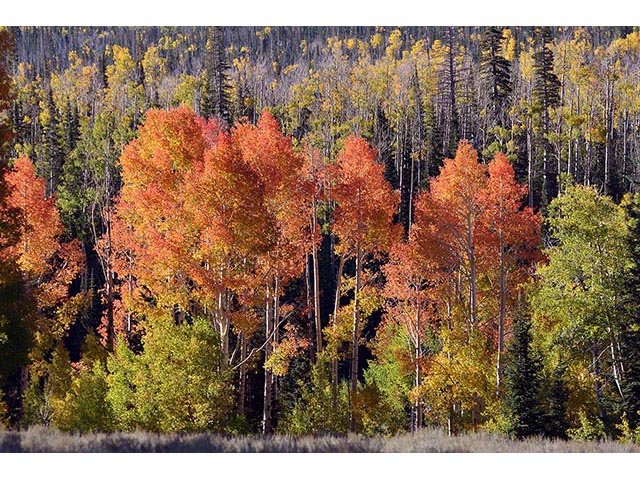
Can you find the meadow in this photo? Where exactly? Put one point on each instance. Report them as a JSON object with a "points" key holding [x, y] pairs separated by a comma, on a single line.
{"points": [[42, 440]]}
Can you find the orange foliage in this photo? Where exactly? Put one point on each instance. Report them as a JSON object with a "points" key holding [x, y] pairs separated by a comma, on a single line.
{"points": [[154, 166], [410, 295], [366, 201], [48, 265], [504, 212], [287, 198], [470, 211], [208, 218]]}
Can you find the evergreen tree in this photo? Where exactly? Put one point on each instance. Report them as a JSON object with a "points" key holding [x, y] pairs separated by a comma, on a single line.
{"points": [[630, 337], [555, 416], [51, 162], [496, 72], [546, 95], [71, 128], [450, 111], [19, 126], [523, 377], [216, 87]]}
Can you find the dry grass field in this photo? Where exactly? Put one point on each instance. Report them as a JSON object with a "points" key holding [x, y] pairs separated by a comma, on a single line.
{"points": [[428, 441]]}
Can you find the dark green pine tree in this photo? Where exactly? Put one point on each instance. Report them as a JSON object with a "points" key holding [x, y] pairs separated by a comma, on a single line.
{"points": [[496, 73], [523, 381], [51, 161], [71, 128], [102, 70], [630, 337], [546, 95], [216, 90], [449, 79], [555, 414]]}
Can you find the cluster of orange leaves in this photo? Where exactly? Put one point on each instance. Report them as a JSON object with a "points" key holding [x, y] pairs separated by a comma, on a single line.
{"points": [[47, 265], [208, 220], [471, 211]]}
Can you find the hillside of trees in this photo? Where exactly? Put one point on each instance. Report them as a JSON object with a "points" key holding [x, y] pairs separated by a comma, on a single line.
{"points": [[321, 230]]}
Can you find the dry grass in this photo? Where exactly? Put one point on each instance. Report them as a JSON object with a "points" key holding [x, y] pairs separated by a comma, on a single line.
{"points": [[428, 441]]}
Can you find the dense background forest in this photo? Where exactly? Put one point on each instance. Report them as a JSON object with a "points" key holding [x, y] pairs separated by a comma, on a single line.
{"points": [[321, 229]]}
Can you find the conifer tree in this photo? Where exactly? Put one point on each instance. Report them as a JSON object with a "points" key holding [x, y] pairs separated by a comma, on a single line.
{"points": [[630, 336], [496, 71], [450, 79], [51, 163], [382, 137], [523, 380], [546, 95], [71, 128], [216, 89], [555, 423]]}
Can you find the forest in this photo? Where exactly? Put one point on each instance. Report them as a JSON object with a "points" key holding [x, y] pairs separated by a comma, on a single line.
{"points": [[321, 230]]}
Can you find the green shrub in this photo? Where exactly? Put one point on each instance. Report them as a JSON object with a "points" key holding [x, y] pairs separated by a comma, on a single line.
{"points": [[176, 384], [315, 412], [84, 407]]}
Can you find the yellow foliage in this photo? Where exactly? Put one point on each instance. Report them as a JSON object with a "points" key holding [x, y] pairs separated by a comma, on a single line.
{"points": [[395, 43], [292, 345], [508, 45], [376, 40]]}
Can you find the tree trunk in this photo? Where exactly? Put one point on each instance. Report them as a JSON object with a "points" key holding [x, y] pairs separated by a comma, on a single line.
{"points": [[310, 325], [473, 287], [109, 286], [607, 142], [501, 319], [529, 164], [418, 379], [355, 339], [242, 387], [224, 330], [268, 381], [597, 385], [334, 361], [275, 331], [316, 298], [616, 365]]}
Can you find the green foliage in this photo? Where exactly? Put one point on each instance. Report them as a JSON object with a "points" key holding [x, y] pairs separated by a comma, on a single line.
{"points": [[580, 289], [84, 407], [495, 68], [316, 413], [523, 397], [74, 115], [459, 389], [90, 174], [49, 382], [555, 409], [627, 434], [215, 100], [577, 304], [590, 429], [630, 337], [176, 383], [382, 399]]}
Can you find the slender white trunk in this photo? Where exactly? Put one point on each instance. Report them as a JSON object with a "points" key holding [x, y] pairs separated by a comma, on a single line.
{"points": [[355, 340]]}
